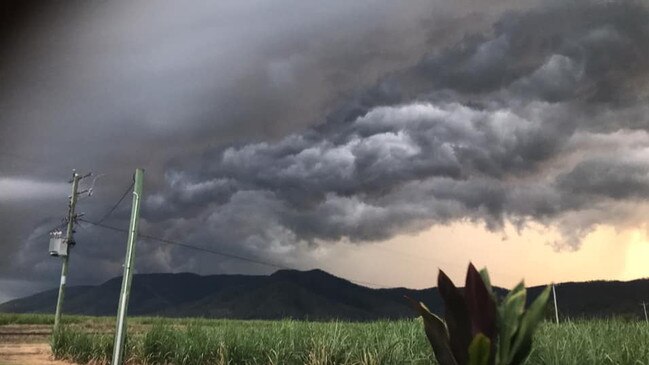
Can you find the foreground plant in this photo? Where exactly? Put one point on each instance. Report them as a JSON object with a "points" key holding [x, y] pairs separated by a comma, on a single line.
{"points": [[478, 331]]}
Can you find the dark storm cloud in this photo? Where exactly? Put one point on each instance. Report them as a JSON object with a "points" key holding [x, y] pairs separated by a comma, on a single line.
{"points": [[322, 123], [482, 130], [110, 86], [587, 50], [608, 178]]}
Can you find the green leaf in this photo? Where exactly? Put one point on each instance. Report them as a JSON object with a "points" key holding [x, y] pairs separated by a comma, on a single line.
{"points": [[479, 350], [487, 280], [530, 320], [457, 317], [518, 288], [510, 312], [522, 353], [436, 332]]}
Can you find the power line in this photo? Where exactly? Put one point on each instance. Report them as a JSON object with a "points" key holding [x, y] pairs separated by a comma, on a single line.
{"points": [[214, 252], [192, 247], [112, 209], [99, 223]]}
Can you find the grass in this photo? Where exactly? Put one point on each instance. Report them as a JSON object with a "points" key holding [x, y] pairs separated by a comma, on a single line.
{"points": [[210, 341], [86, 321], [35, 318], [258, 342], [592, 342]]}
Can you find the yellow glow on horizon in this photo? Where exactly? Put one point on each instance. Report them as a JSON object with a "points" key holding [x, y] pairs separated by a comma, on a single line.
{"points": [[412, 260], [637, 257]]}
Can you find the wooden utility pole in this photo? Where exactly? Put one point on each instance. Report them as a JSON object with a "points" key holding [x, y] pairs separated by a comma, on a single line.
{"points": [[120, 332], [644, 306], [69, 240]]}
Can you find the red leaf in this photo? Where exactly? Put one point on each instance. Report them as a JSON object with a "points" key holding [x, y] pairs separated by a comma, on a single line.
{"points": [[457, 318], [480, 304]]}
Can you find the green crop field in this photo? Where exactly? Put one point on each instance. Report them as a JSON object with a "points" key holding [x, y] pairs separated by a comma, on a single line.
{"points": [[205, 341]]}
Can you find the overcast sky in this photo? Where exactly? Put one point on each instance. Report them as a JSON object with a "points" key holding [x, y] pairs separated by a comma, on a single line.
{"points": [[352, 136]]}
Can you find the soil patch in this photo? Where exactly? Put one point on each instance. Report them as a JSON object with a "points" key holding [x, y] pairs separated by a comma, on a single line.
{"points": [[27, 354], [26, 344]]}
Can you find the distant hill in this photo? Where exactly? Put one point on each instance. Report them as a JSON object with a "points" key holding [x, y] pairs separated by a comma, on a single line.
{"points": [[601, 298], [313, 294]]}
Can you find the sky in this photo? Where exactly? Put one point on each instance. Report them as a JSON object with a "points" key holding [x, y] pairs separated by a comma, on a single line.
{"points": [[377, 140]]}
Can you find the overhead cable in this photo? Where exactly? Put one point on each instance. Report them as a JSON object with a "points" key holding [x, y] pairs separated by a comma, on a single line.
{"points": [[212, 251]]}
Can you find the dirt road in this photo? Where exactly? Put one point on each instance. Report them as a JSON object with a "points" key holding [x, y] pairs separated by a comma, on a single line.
{"points": [[26, 345], [27, 354]]}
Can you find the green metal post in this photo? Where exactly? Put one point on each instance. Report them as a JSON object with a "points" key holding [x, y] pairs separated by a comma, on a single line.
{"points": [[556, 308], [68, 238], [120, 332]]}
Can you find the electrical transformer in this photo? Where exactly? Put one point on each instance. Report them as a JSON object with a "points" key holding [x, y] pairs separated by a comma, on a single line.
{"points": [[58, 246]]}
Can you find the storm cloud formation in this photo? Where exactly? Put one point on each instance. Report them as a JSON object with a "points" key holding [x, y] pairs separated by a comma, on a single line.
{"points": [[110, 86], [340, 122], [531, 121]]}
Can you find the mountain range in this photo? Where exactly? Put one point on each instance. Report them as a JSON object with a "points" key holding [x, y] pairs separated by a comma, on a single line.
{"points": [[313, 295]]}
